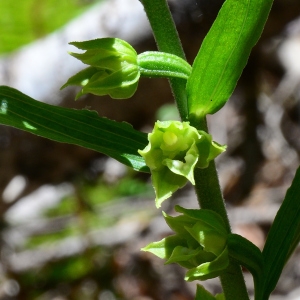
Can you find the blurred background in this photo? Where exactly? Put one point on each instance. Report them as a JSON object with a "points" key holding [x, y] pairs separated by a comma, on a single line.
{"points": [[72, 221]]}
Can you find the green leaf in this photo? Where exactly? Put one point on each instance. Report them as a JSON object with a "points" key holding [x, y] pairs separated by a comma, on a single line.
{"points": [[183, 256], [23, 21], [80, 127], [283, 236], [224, 54], [208, 238]]}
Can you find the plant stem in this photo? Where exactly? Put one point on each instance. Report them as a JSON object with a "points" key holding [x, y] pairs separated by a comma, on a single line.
{"points": [[167, 40], [210, 197], [207, 183]]}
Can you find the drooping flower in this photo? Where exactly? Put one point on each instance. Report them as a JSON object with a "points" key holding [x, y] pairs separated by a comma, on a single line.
{"points": [[199, 243], [175, 149], [113, 68]]}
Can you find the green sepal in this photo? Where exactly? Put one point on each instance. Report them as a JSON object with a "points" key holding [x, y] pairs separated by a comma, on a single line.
{"points": [[105, 53], [186, 257], [82, 77], [203, 294], [165, 183], [179, 223], [209, 149], [113, 68], [208, 238], [210, 219], [210, 269], [120, 84], [199, 244], [164, 248]]}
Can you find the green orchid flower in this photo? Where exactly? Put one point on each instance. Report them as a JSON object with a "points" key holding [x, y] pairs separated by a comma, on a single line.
{"points": [[175, 149], [113, 68], [199, 243]]}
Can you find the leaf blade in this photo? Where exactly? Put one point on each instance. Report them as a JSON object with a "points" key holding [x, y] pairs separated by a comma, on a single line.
{"points": [[80, 127], [224, 54], [283, 234]]}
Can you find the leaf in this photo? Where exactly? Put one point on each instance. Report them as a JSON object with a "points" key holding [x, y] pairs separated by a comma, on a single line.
{"points": [[283, 236], [224, 54], [27, 20], [80, 127]]}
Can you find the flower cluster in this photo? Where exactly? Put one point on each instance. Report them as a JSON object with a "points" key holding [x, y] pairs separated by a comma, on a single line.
{"points": [[199, 243], [175, 149]]}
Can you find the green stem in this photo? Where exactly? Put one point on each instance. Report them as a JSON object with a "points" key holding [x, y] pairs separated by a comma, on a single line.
{"points": [[210, 197], [207, 183], [167, 40]]}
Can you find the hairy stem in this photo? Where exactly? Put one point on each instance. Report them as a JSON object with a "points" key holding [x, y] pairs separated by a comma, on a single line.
{"points": [[167, 40], [209, 196], [207, 183]]}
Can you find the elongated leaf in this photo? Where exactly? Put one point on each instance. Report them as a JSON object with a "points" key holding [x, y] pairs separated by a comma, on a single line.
{"points": [[81, 127], [224, 54], [27, 20], [283, 233]]}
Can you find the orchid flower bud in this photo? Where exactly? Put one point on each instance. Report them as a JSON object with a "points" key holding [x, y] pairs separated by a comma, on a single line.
{"points": [[113, 68], [175, 149], [199, 243]]}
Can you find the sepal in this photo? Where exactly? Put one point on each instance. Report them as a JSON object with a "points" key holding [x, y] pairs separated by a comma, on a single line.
{"points": [[113, 68], [203, 294]]}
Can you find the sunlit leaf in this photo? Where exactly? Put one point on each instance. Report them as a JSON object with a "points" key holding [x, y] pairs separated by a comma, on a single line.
{"points": [[81, 127], [224, 54]]}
